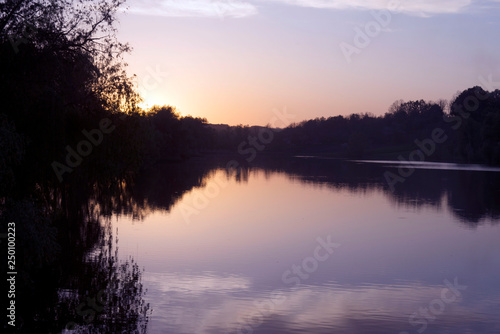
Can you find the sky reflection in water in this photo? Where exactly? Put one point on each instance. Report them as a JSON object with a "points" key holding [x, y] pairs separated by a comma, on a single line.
{"points": [[222, 270]]}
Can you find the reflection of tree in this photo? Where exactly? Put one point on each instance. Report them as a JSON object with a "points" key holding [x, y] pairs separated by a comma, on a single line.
{"points": [[36, 251], [57, 228], [158, 188], [475, 196], [64, 250], [472, 196], [108, 293], [69, 275]]}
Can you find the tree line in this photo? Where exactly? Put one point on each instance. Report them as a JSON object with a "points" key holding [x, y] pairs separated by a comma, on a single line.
{"points": [[470, 124]]}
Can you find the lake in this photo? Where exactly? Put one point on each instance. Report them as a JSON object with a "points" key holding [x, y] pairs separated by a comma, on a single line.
{"points": [[309, 245]]}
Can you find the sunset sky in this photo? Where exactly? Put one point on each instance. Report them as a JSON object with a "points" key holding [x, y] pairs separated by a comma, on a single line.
{"points": [[235, 61]]}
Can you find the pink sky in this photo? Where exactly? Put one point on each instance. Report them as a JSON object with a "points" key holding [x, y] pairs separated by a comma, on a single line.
{"points": [[235, 61]]}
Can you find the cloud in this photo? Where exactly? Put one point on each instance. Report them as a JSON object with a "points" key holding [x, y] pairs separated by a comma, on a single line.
{"points": [[413, 7], [245, 8], [192, 8]]}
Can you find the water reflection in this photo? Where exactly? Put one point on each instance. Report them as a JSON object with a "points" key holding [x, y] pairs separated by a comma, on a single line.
{"points": [[319, 309], [220, 272], [69, 277], [223, 272], [105, 295], [473, 195]]}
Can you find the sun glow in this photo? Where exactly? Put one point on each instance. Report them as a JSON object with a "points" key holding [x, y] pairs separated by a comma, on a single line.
{"points": [[150, 100]]}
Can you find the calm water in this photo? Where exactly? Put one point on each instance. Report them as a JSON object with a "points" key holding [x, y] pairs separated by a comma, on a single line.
{"points": [[317, 246]]}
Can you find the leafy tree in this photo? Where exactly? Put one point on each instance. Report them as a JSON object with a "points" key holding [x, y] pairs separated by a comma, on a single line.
{"points": [[61, 72]]}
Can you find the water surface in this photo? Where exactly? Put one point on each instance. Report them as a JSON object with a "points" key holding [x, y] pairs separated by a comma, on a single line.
{"points": [[243, 251]]}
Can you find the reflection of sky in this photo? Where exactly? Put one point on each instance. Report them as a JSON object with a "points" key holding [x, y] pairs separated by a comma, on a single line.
{"points": [[205, 276], [206, 303], [432, 165]]}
